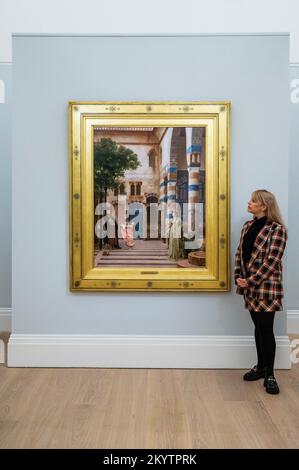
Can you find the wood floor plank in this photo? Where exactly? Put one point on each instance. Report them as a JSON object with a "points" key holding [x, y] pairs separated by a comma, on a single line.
{"points": [[145, 408]]}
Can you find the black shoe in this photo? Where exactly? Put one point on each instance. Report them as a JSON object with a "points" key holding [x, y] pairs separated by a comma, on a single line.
{"points": [[271, 385], [254, 374]]}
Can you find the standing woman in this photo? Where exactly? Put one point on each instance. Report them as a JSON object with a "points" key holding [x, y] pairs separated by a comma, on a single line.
{"points": [[258, 276]]}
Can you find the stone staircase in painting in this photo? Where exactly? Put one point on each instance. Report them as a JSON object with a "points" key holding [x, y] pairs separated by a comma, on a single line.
{"points": [[145, 253]]}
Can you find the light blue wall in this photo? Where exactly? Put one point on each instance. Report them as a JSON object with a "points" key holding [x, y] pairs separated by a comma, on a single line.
{"points": [[293, 264], [250, 70], [5, 188]]}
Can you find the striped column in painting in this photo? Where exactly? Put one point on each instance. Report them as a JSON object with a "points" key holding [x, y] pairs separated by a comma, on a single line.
{"points": [[171, 188], [193, 162], [163, 185], [163, 201]]}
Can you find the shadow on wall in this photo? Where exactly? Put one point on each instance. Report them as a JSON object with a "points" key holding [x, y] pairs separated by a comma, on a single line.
{"points": [[2, 92]]}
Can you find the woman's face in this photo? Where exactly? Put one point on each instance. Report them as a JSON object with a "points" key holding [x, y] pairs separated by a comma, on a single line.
{"points": [[256, 208]]}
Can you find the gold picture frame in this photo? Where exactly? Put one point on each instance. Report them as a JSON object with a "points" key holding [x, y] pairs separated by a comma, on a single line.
{"points": [[87, 119]]}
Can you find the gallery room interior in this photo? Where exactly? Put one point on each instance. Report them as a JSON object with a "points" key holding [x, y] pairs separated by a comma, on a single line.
{"points": [[147, 180]]}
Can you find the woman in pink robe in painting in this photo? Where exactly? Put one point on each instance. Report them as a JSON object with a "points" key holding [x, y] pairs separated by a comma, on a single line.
{"points": [[127, 232]]}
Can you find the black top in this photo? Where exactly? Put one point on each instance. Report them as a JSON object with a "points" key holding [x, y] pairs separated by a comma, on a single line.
{"points": [[250, 236]]}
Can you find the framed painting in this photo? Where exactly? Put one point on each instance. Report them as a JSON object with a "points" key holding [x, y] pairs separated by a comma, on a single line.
{"points": [[149, 196]]}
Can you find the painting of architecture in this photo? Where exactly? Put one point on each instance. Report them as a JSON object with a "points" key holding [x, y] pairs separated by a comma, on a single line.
{"points": [[149, 197]]}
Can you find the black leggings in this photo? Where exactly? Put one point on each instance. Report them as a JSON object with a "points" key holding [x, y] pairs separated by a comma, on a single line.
{"points": [[264, 340]]}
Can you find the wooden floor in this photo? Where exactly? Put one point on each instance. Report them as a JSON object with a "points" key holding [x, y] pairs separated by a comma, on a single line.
{"points": [[145, 408]]}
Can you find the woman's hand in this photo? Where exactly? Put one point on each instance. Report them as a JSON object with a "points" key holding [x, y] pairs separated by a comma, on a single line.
{"points": [[242, 282]]}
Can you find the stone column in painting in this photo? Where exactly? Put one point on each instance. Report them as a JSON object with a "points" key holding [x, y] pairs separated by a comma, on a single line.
{"points": [[163, 186], [162, 203], [171, 188]]}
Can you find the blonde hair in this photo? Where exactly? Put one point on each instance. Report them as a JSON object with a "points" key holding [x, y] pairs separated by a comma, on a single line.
{"points": [[269, 200]]}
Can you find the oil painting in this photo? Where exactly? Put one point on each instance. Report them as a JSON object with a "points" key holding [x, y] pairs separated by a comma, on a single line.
{"points": [[149, 196]]}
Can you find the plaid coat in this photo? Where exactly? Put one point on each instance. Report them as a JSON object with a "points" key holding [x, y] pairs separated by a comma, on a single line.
{"points": [[264, 269]]}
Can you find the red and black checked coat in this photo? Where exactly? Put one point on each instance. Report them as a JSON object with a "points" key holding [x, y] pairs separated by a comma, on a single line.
{"points": [[264, 269]]}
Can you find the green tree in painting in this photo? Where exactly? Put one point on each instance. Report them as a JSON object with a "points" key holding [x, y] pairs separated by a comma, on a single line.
{"points": [[110, 163]]}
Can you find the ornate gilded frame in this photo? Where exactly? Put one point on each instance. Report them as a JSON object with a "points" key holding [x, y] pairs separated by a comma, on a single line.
{"points": [[83, 116]]}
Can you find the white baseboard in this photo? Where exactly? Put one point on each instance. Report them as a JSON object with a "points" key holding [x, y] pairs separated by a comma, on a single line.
{"points": [[2, 355], [5, 319], [140, 351], [293, 321]]}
